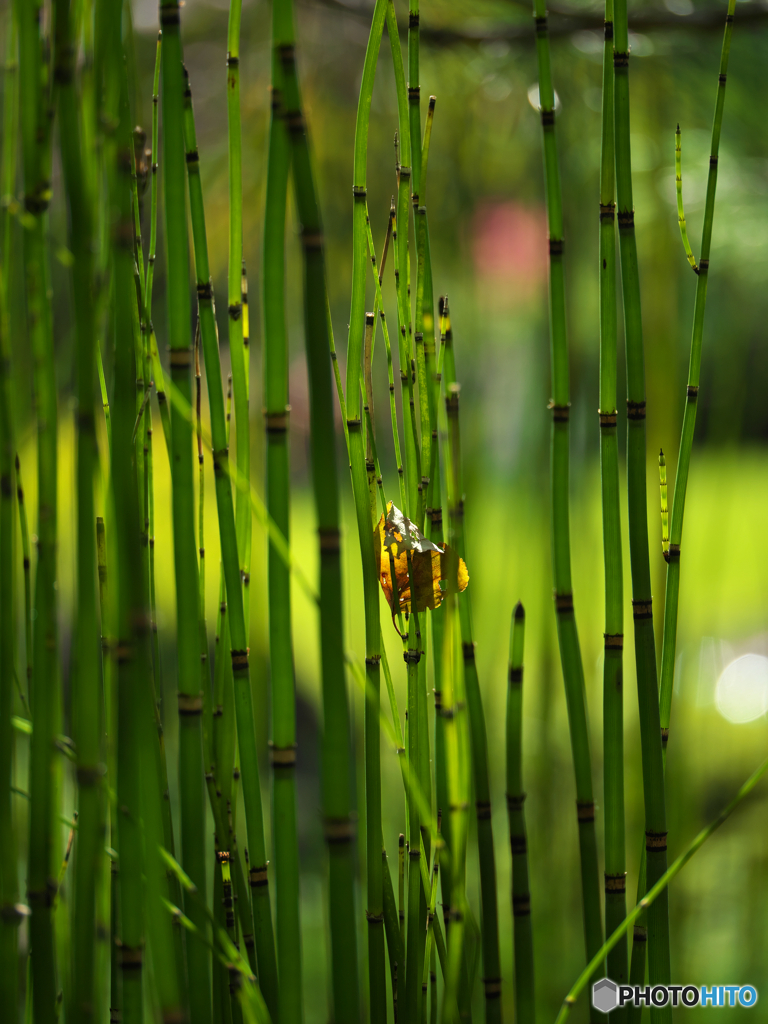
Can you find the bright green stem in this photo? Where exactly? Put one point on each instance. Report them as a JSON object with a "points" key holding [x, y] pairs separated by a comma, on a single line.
{"points": [[521, 896], [479, 744], [376, 973], [87, 705], [680, 207], [258, 877], [414, 108], [613, 705], [336, 753], [191, 785], [132, 618], [689, 417], [570, 653], [645, 654], [276, 411]]}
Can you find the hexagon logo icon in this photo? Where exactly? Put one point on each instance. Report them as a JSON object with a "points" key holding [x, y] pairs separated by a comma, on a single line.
{"points": [[605, 995]]}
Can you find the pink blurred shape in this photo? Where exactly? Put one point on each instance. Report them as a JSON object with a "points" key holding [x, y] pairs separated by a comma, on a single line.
{"points": [[509, 246]]}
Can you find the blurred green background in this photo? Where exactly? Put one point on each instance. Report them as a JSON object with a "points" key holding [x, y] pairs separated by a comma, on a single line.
{"points": [[488, 231]]}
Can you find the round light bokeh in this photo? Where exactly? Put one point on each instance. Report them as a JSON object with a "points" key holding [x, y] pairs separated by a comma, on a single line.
{"points": [[741, 693]]}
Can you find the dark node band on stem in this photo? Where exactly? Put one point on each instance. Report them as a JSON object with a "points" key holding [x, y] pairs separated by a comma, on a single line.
{"points": [[204, 291], [560, 413], [193, 157], [359, 191], [616, 883], [240, 661], [232, 62], [330, 538], [130, 958], [414, 92], [541, 24], [483, 809], [312, 241], [639, 933], [547, 118], [287, 52], [556, 246], [608, 29], [492, 988], [722, 79], [170, 14], [703, 266], [353, 424], [673, 553], [614, 641], [713, 161], [372, 918], [635, 410], [411, 657], [338, 830], [664, 737], [373, 661], [190, 704], [258, 877], [626, 220], [90, 775], [516, 675], [235, 310], [413, 19], [620, 60], [607, 419], [282, 757], [564, 604], [295, 121], [521, 905], [515, 801], [585, 811], [607, 211], [655, 842], [642, 609], [468, 651], [277, 422]]}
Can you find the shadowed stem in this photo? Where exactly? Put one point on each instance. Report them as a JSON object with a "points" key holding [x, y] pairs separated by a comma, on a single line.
{"points": [[570, 653]]}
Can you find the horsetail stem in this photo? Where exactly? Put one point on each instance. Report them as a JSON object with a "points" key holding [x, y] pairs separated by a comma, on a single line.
{"points": [[568, 638], [479, 744], [185, 560], [664, 509], [336, 753], [642, 609], [230, 547], [44, 692], [10, 913], [376, 976], [521, 897], [680, 208], [87, 724], [276, 411], [669, 644], [613, 703]]}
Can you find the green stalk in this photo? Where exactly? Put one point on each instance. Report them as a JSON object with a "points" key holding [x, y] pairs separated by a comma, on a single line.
{"points": [[642, 609], [192, 796], [41, 884], [613, 705], [10, 915], [336, 752], [276, 412], [479, 745], [669, 643], [87, 724], [375, 907], [402, 269], [570, 653], [525, 1007], [132, 620]]}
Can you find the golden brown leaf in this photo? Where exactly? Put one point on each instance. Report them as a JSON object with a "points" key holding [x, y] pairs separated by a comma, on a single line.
{"points": [[402, 547]]}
